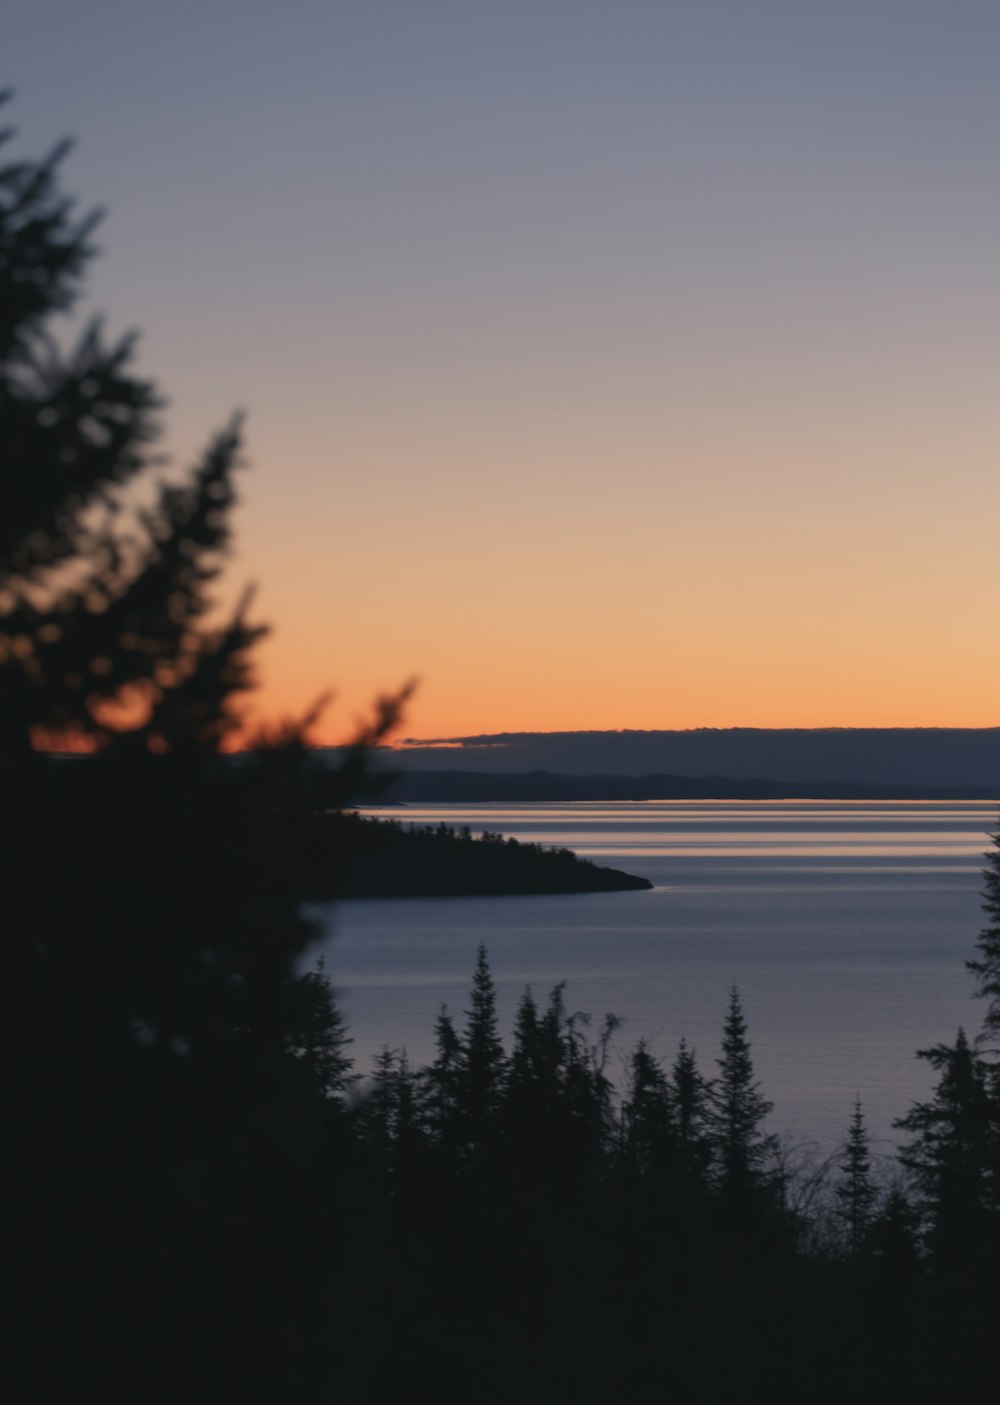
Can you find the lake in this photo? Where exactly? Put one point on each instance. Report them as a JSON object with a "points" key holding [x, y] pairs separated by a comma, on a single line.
{"points": [[845, 926]]}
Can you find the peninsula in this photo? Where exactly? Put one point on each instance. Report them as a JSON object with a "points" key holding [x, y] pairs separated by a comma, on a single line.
{"points": [[347, 855]]}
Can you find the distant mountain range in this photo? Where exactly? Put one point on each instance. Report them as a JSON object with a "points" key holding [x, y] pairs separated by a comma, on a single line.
{"points": [[936, 761]]}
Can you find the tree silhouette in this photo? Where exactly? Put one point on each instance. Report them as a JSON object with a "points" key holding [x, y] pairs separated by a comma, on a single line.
{"points": [[894, 1238], [742, 1147], [693, 1113], [987, 965], [952, 1156], [648, 1114], [97, 619], [483, 1062], [856, 1193], [442, 1078], [317, 1036], [161, 1034]]}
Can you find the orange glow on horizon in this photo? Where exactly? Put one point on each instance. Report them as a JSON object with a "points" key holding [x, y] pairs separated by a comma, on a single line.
{"points": [[631, 373], [590, 573]]}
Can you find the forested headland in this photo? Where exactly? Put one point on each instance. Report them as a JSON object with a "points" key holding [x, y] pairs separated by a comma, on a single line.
{"points": [[353, 856], [205, 1202]]}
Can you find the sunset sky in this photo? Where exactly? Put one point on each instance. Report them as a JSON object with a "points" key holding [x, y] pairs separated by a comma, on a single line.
{"points": [[609, 363]]}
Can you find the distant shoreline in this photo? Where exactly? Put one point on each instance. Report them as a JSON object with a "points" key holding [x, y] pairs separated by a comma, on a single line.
{"points": [[347, 855], [735, 762], [473, 787]]}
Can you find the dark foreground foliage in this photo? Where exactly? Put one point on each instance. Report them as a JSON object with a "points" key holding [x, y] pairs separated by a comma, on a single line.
{"points": [[350, 856], [202, 1204]]}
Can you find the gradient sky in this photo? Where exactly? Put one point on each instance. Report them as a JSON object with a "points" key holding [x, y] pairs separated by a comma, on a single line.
{"points": [[612, 364]]}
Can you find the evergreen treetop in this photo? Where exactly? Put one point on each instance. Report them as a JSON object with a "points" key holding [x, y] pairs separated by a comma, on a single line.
{"points": [[987, 964], [743, 1148], [952, 1153], [856, 1193], [484, 1067]]}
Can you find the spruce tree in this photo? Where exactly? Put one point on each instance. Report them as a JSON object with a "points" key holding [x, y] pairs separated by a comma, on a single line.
{"points": [[952, 1155], [318, 1038], [442, 1080], [648, 1116], [153, 908], [987, 965], [742, 1147], [588, 1089], [525, 1073], [529, 1102], [856, 1193], [691, 1096], [894, 1240], [392, 1120], [484, 1062], [557, 1121]]}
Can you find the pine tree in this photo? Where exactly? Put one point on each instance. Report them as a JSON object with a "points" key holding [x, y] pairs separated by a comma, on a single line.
{"points": [[443, 1079], [531, 1108], [392, 1120], [317, 1036], [525, 1074], [952, 1156], [691, 1095], [588, 1091], [742, 1147], [648, 1117], [894, 1240], [484, 1062], [987, 965], [104, 646], [153, 912], [557, 1118], [856, 1193]]}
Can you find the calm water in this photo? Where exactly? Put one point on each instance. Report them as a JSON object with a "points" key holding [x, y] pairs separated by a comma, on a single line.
{"points": [[844, 925]]}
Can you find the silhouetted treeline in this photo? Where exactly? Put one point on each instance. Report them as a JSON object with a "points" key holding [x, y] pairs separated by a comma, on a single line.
{"points": [[506, 1213], [475, 787], [347, 855], [654, 1238]]}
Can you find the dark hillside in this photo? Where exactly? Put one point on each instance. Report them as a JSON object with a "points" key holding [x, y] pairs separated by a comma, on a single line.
{"points": [[346, 855]]}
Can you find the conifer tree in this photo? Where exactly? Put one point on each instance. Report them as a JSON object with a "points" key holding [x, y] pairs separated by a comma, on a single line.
{"points": [[318, 1037], [153, 912], [648, 1116], [742, 1147], [530, 1095], [484, 1062], [894, 1239], [157, 929], [987, 964], [856, 1193], [952, 1155], [557, 1117], [552, 1040], [691, 1096], [525, 1073], [588, 1090], [443, 1079], [392, 1119]]}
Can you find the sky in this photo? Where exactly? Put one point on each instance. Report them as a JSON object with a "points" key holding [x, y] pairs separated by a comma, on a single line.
{"points": [[608, 363]]}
